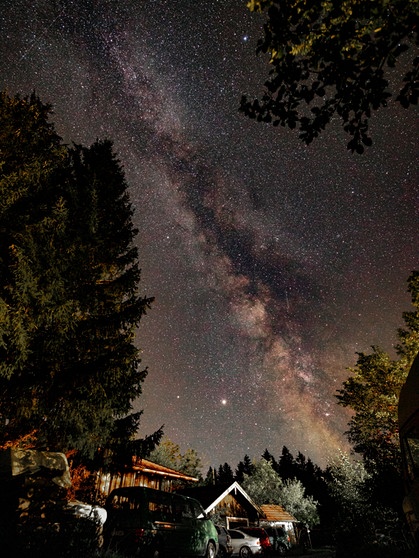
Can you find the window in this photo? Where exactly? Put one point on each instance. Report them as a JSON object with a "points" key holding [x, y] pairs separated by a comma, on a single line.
{"points": [[236, 535]]}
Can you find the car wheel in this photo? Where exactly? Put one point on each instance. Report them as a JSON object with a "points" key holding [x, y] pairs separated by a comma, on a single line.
{"points": [[245, 552], [210, 550]]}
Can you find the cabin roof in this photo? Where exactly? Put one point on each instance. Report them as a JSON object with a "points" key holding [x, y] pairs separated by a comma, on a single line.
{"points": [[211, 495], [236, 488], [275, 513], [150, 468]]}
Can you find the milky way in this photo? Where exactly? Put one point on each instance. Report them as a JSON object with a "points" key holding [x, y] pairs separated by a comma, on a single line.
{"points": [[272, 263]]}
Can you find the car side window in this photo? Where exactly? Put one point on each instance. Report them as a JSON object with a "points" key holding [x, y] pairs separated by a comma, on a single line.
{"points": [[186, 511], [160, 511], [197, 511]]}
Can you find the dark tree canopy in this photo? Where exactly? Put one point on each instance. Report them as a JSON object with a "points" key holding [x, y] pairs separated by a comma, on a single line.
{"points": [[244, 467], [225, 474], [372, 393], [69, 301], [333, 58]]}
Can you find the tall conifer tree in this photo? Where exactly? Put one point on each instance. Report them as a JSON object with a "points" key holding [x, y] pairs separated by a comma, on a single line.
{"points": [[69, 302]]}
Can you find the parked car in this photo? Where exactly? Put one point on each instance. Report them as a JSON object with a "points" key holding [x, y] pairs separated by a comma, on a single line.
{"points": [[73, 510], [80, 509], [280, 540], [150, 523], [244, 545], [225, 548], [262, 535]]}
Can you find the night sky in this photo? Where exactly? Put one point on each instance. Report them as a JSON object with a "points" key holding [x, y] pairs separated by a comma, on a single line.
{"points": [[272, 263]]}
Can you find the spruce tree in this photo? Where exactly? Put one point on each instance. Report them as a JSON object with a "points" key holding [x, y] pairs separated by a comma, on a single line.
{"points": [[69, 301], [243, 468], [286, 464], [225, 474]]}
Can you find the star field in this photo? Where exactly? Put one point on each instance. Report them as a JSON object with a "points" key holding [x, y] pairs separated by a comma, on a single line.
{"points": [[272, 263]]}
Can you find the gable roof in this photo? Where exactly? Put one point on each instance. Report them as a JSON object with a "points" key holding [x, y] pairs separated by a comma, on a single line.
{"points": [[150, 468], [275, 513], [211, 495], [235, 487]]}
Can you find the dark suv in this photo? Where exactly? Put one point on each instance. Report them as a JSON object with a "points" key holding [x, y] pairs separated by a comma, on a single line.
{"points": [[225, 548], [280, 540]]}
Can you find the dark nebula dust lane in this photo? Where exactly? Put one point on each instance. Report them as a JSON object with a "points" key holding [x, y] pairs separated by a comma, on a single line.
{"points": [[271, 263]]}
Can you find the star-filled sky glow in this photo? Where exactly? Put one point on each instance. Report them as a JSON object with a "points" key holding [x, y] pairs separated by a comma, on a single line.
{"points": [[272, 263]]}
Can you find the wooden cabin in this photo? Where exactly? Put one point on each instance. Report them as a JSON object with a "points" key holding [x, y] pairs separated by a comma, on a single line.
{"points": [[230, 505], [276, 516], [143, 472]]}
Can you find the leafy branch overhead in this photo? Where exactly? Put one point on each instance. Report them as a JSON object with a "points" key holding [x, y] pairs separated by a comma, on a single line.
{"points": [[335, 58]]}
